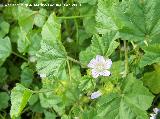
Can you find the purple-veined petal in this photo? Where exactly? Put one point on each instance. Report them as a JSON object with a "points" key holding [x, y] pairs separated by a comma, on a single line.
{"points": [[156, 110], [100, 59], [105, 73], [95, 74], [96, 94], [108, 63], [153, 116], [99, 66], [92, 63]]}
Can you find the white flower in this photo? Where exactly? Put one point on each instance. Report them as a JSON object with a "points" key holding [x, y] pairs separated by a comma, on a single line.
{"points": [[42, 75], [100, 66], [95, 95], [153, 116], [156, 111]]}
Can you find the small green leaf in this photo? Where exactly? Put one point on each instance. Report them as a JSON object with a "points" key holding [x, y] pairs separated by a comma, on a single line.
{"points": [[87, 83], [37, 107], [5, 49], [71, 94], [23, 42], [89, 21], [19, 98], [4, 97], [29, 42], [26, 22], [83, 39], [104, 16], [104, 46], [11, 13], [26, 76], [116, 69], [34, 98], [14, 34], [152, 55], [4, 28], [40, 17], [51, 31], [3, 76], [75, 72], [50, 99], [14, 71], [89, 113], [65, 117], [25, 18], [152, 80], [50, 115], [35, 42]]}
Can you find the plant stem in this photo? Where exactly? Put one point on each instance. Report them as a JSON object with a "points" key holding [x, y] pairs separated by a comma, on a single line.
{"points": [[65, 22], [42, 91], [69, 70], [20, 56], [126, 57], [77, 34], [74, 17], [120, 56], [2, 117], [75, 61]]}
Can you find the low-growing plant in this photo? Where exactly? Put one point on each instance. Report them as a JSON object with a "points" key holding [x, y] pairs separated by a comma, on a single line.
{"points": [[96, 59]]}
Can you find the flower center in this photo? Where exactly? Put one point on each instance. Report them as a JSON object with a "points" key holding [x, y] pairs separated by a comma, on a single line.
{"points": [[100, 67]]}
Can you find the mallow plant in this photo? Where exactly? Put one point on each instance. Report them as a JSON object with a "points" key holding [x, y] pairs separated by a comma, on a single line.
{"points": [[97, 60]]}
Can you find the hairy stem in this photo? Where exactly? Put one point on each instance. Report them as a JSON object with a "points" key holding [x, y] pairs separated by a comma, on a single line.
{"points": [[74, 17], [20, 56], [126, 57], [69, 70], [75, 61], [42, 91]]}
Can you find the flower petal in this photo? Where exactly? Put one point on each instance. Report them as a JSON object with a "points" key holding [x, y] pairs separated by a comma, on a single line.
{"points": [[100, 58], [153, 116], [95, 74], [95, 95], [105, 73], [108, 63], [92, 63], [156, 110]]}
